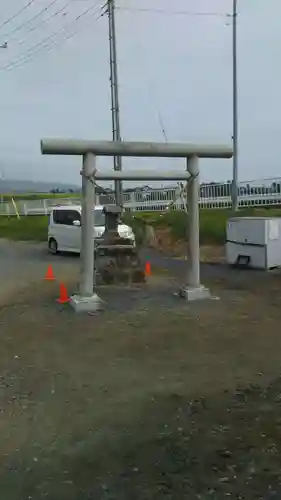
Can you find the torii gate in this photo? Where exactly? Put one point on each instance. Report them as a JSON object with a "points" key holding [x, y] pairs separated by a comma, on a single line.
{"points": [[88, 300]]}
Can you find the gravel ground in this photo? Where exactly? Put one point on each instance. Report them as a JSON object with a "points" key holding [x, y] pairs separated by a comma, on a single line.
{"points": [[151, 399], [23, 263]]}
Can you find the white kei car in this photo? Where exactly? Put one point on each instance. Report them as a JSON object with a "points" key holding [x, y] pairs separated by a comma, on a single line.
{"points": [[64, 231]]}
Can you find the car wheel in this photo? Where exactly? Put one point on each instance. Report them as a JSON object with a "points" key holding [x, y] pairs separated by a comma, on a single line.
{"points": [[53, 246]]}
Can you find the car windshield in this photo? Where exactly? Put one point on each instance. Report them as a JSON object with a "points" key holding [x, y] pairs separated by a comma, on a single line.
{"points": [[99, 218]]}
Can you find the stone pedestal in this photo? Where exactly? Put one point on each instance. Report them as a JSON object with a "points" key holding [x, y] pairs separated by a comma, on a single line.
{"points": [[118, 263], [86, 304], [194, 293], [116, 258]]}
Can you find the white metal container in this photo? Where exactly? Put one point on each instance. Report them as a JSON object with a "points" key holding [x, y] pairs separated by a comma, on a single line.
{"points": [[254, 242]]}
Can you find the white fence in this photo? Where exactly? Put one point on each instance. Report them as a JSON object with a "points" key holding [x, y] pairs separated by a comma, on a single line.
{"points": [[255, 193]]}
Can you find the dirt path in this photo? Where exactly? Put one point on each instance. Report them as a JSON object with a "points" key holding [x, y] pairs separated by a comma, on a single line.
{"points": [[151, 399]]}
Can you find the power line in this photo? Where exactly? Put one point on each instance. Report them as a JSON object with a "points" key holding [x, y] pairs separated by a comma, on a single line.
{"points": [[14, 16], [47, 48], [26, 23], [42, 22], [32, 49], [28, 56], [151, 89], [45, 21]]}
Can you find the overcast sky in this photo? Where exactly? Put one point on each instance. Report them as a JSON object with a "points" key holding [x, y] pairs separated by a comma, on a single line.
{"points": [[173, 68]]}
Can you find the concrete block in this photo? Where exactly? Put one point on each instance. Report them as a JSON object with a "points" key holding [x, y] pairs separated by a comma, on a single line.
{"points": [[86, 304], [198, 293]]}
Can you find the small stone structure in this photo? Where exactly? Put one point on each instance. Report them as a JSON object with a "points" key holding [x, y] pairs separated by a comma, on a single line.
{"points": [[116, 258]]}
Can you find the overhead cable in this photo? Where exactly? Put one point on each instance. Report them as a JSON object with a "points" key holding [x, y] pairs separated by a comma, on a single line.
{"points": [[28, 21], [45, 21], [44, 45], [14, 16]]}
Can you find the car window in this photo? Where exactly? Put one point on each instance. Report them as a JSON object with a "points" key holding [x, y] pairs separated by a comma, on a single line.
{"points": [[99, 218], [66, 217]]}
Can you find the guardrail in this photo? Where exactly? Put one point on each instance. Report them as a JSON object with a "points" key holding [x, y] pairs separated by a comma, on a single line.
{"points": [[255, 193], [35, 207]]}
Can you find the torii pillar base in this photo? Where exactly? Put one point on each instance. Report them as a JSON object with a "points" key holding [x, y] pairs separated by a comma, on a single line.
{"points": [[195, 293], [82, 304]]}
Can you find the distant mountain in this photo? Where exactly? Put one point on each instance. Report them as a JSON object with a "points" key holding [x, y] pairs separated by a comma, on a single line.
{"points": [[11, 186], [18, 186]]}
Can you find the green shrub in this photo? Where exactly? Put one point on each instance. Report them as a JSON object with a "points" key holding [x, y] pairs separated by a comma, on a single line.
{"points": [[212, 221], [138, 226]]}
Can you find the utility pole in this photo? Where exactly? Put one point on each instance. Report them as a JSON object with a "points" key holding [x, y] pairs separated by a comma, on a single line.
{"points": [[2, 176], [234, 193], [115, 110]]}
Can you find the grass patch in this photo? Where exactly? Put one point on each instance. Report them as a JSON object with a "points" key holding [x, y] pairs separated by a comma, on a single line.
{"points": [[212, 224], [24, 229]]}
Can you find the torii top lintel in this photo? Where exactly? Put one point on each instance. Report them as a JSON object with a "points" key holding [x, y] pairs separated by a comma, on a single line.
{"points": [[134, 149]]}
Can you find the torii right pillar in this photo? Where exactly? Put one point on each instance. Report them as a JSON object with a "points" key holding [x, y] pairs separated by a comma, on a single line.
{"points": [[193, 290]]}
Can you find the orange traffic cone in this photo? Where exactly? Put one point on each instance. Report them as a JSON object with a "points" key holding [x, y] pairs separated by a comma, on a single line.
{"points": [[147, 269], [63, 298], [50, 274]]}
